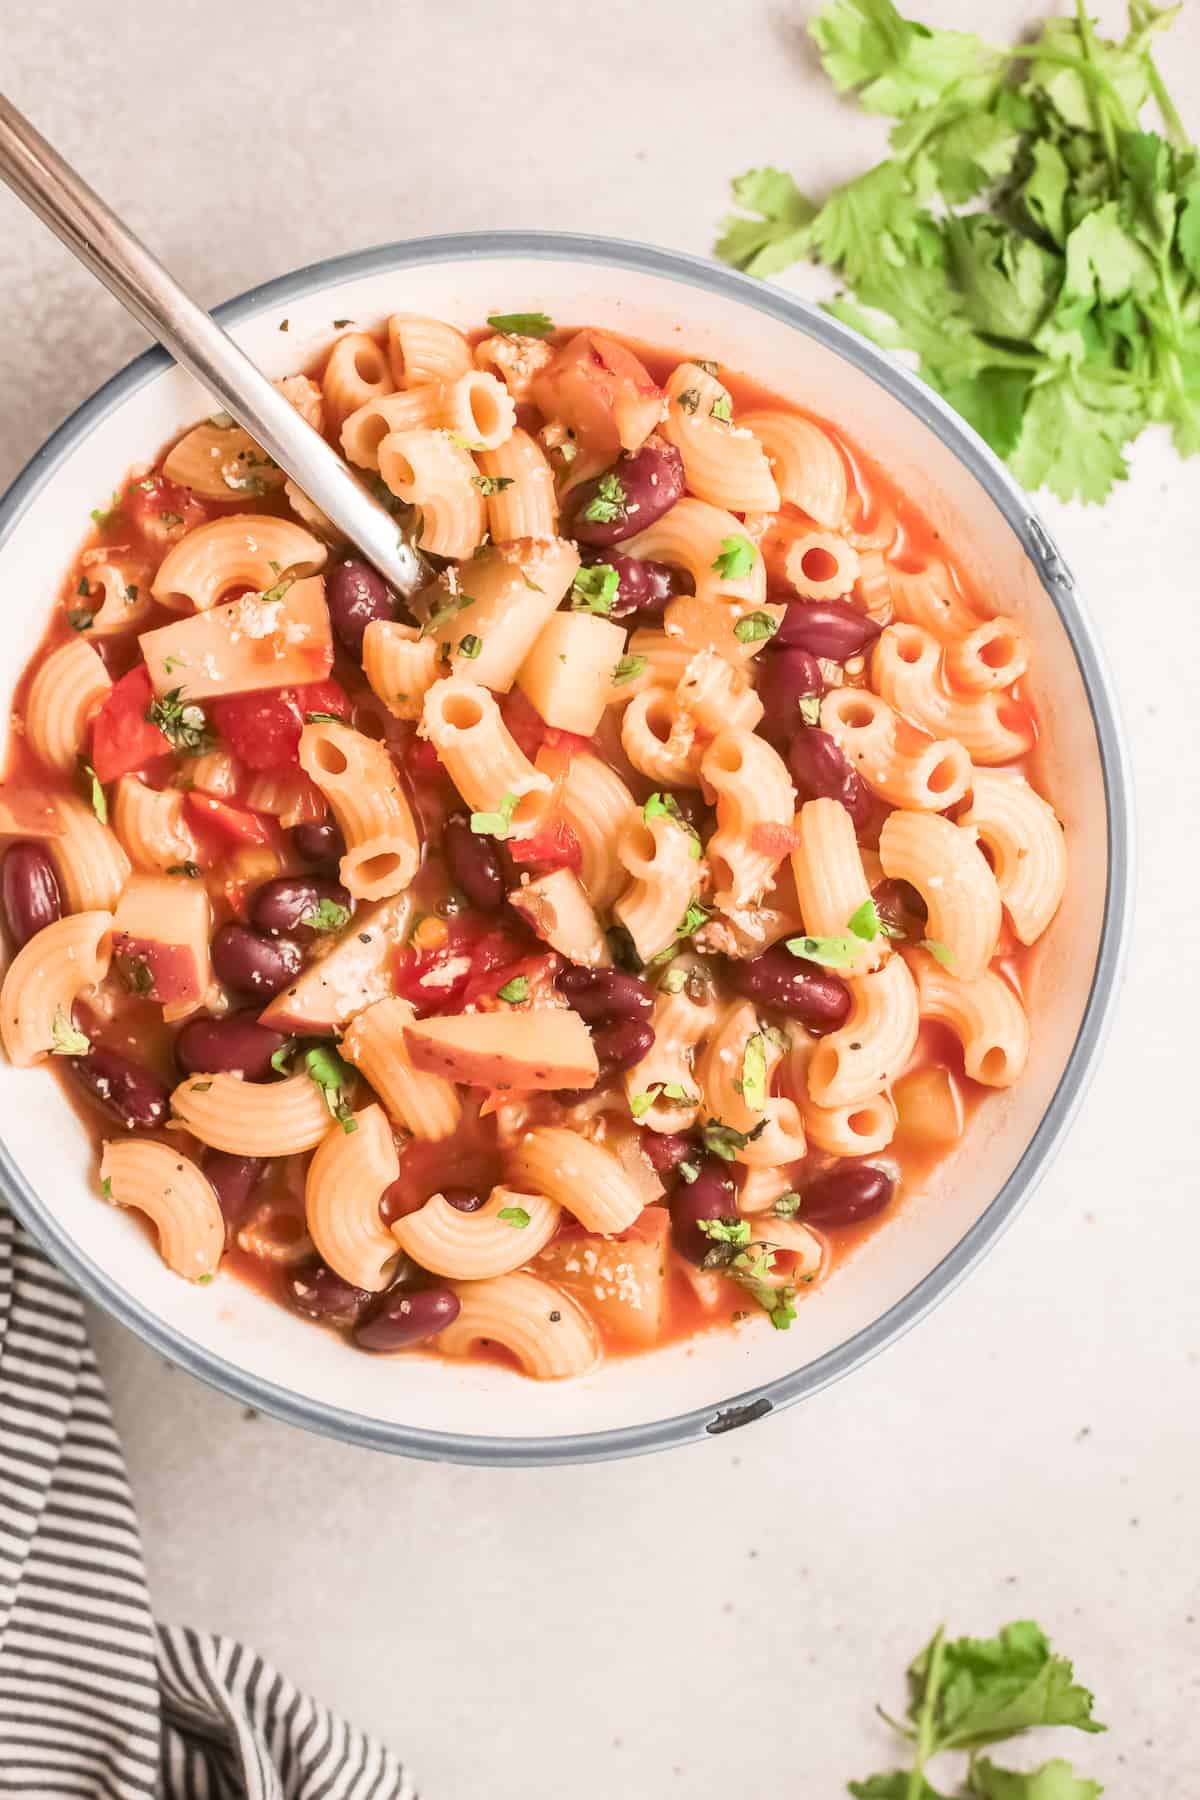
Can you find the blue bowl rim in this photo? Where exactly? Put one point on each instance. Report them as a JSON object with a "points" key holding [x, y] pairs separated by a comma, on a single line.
{"points": [[931, 410]]}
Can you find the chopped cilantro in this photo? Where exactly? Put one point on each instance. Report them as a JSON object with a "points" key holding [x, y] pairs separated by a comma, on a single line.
{"points": [[688, 1171], [496, 824], [530, 324], [185, 727], [608, 502], [666, 806], [787, 1205], [726, 1231], [323, 1065], [171, 518], [688, 400], [721, 409], [323, 718], [940, 952], [443, 614], [595, 589], [135, 973], [736, 559], [492, 484], [281, 1059], [79, 618], [276, 593], [724, 1141], [830, 952], [95, 793], [190, 869], [735, 1256], [629, 668], [514, 992], [754, 1072], [66, 1037], [516, 1216], [753, 627], [328, 915], [106, 1188], [469, 646], [810, 709]]}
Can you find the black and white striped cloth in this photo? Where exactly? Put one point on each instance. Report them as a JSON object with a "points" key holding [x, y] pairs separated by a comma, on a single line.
{"points": [[96, 1699]]}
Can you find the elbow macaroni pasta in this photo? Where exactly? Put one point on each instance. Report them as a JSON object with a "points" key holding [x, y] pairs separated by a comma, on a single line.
{"points": [[547, 1332], [755, 804], [175, 1196], [577, 1174], [724, 464], [984, 1014], [428, 470], [943, 862], [251, 1118], [805, 462], [926, 777], [664, 880], [346, 1178], [356, 776], [46, 977], [69, 687], [425, 1105], [906, 669], [1027, 847], [476, 1246]]}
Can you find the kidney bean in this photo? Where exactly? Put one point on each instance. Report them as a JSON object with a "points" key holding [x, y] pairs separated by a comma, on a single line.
{"points": [[899, 905], [321, 842], [821, 771], [710, 1196], [645, 588], [829, 628], [621, 1044], [650, 482], [129, 1093], [599, 995], [406, 1316], [356, 594], [463, 1199], [283, 904], [801, 990], [785, 678], [846, 1194], [236, 1045], [29, 892], [234, 1178], [474, 863], [249, 962], [665, 1150], [318, 1293]]}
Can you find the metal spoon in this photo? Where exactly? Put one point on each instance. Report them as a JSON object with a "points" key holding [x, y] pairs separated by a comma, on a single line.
{"points": [[50, 187]]}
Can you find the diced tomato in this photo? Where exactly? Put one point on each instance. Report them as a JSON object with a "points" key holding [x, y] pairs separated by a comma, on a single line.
{"points": [[537, 972], [442, 980], [419, 759], [770, 839], [524, 721], [123, 739], [552, 846], [231, 822], [606, 395], [323, 697], [161, 510], [262, 730]]}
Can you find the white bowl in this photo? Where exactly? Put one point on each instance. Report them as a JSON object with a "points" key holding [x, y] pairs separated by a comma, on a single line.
{"points": [[255, 1349]]}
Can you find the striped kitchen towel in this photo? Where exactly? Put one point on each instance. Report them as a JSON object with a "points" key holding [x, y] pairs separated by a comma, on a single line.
{"points": [[96, 1699]]}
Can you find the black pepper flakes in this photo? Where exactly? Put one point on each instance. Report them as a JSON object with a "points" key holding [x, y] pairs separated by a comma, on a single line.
{"points": [[555, 1317]]}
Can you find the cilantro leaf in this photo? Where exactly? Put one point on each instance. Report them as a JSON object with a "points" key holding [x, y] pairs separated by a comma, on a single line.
{"points": [[736, 559], [1054, 1780], [516, 1216], [666, 806], [778, 237], [830, 952], [95, 791], [530, 324], [323, 1065], [724, 1141], [327, 915], [496, 824], [595, 589], [896, 64], [281, 1059], [184, 726], [66, 1037], [514, 992], [755, 627], [608, 502], [492, 484], [629, 668], [754, 1072]]}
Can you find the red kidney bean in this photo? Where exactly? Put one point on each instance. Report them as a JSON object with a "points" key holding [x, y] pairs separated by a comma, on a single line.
{"points": [[474, 864], [356, 594], [621, 1044], [599, 995], [235, 1045], [463, 1199], [710, 1196], [785, 677], [283, 905], [129, 1093], [645, 588], [665, 1150], [821, 771], [318, 1293], [801, 990], [846, 1194], [29, 892], [234, 1178], [321, 842], [249, 962], [407, 1316], [829, 628], [899, 905], [650, 482]]}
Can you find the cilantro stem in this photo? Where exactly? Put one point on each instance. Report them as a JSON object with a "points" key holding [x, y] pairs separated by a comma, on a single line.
{"points": [[926, 1731], [1176, 129], [1104, 124]]}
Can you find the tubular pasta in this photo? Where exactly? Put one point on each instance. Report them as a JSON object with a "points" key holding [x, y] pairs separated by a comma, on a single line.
{"points": [[690, 537], [597, 804], [873, 589], [905, 667], [427, 469], [717, 695], [1027, 846], [664, 880], [778, 1133], [759, 1189], [426, 1105], [582, 1176], [929, 597], [830, 883], [253, 1118], [357, 371], [943, 862], [516, 360], [798, 1251], [285, 794], [547, 1332], [660, 739], [475, 1246], [560, 913], [304, 396], [218, 772], [513, 593], [151, 826], [723, 464], [680, 1023], [342, 1190], [357, 778], [753, 791], [820, 565], [423, 350], [46, 977], [480, 754], [91, 864], [400, 665], [222, 462], [175, 1196], [868, 1052], [67, 690], [242, 550], [862, 1129], [474, 407], [526, 506], [994, 655], [930, 778], [122, 590], [805, 462], [984, 1014]]}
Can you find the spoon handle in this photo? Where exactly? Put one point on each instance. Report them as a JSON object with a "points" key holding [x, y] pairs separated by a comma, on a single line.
{"points": [[51, 188]]}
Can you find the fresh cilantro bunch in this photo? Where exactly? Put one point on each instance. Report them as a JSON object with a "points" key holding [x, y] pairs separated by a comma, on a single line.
{"points": [[1034, 247], [969, 1693]]}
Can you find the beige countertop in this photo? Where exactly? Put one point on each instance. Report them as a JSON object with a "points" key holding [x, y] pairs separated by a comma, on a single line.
{"points": [[720, 1620]]}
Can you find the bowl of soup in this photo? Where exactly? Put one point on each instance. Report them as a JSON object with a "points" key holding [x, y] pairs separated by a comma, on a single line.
{"points": [[611, 992]]}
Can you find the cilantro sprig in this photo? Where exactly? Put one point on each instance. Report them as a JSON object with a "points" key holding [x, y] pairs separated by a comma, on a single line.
{"points": [[751, 1265], [325, 1067], [1028, 239], [530, 324], [184, 726]]}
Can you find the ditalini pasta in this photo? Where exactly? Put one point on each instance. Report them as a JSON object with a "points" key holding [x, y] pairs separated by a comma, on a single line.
{"points": [[576, 955]]}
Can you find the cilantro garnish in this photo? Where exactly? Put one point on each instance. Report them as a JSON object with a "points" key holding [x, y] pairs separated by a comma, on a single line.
{"points": [[281, 1059], [688, 1171], [171, 518], [725, 1141], [469, 646], [754, 1072], [106, 1188], [670, 1090], [733, 1255], [595, 589], [323, 1065], [516, 1216], [608, 502], [736, 559], [323, 718], [135, 973], [688, 400], [95, 792], [455, 604], [190, 869], [940, 952], [327, 915], [787, 1205], [276, 593], [496, 824], [531, 324], [666, 806], [1033, 245], [79, 618], [66, 1037], [492, 484], [753, 627], [810, 709], [514, 992], [184, 726], [721, 409], [628, 669]]}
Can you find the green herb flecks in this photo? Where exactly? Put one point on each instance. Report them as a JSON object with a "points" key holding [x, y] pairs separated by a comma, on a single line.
{"points": [[327, 915], [608, 503], [66, 1039], [514, 992], [595, 589], [323, 1065], [516, 1216], [736, 559], [496, 824], [530, 324], [184, 726]]}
